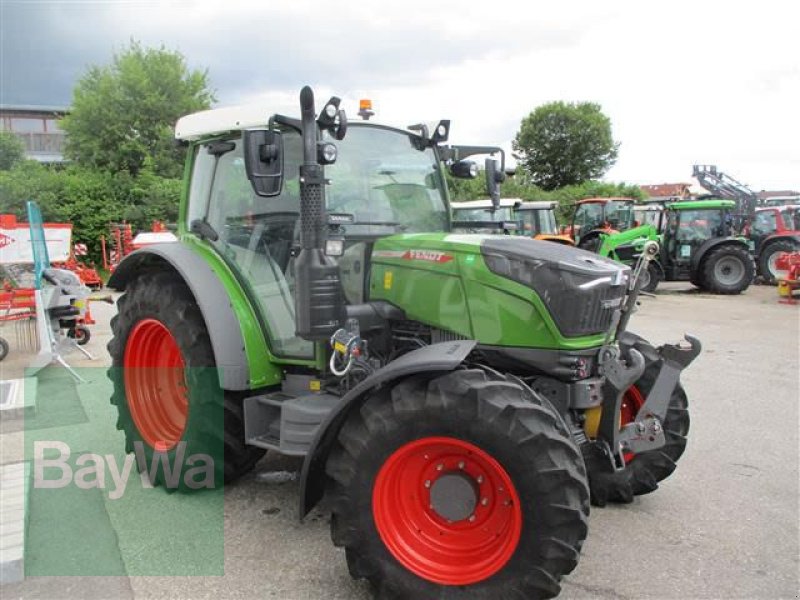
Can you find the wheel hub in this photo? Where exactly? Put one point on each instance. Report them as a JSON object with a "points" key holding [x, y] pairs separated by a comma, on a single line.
{"points": [[155, 384], [454, 496], [729, 270], [447, 510]]}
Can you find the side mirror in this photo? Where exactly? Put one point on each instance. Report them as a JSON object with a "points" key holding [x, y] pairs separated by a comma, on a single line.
{"points": [[494, 177], [464, 169], [263, 159]]}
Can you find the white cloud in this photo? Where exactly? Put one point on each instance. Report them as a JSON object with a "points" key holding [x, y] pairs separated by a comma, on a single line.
{"points": [[683, 82]]}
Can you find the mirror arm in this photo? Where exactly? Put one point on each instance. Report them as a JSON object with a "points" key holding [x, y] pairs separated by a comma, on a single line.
{"points": [[462, 152]]}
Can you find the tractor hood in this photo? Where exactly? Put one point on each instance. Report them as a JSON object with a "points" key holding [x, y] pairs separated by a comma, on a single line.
{"points": [[500, 290], [580, 289]]}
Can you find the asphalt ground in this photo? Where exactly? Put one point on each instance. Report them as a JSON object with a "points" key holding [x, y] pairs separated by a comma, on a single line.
{"points": [[724, 525]]}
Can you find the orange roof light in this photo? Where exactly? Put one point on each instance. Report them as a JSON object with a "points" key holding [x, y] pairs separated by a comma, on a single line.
{"points": [[365, 109]]}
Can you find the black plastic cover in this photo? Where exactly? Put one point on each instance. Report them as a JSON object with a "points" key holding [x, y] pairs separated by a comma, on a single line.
{"points": [[581, 290]]}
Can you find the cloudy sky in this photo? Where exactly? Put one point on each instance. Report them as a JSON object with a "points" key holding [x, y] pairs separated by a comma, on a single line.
{"points": [[683, 82]]}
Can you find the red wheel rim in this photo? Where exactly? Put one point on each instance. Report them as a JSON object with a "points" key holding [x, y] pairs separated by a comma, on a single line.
{"points": [[632, 401], [154, 384], [448, 552]]}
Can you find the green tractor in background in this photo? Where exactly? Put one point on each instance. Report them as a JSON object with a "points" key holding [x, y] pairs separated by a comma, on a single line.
{"points": [[454, 397], [696, 244]]}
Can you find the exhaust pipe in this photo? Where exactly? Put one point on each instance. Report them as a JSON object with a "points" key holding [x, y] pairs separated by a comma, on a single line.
{"points": [[318, 294]]}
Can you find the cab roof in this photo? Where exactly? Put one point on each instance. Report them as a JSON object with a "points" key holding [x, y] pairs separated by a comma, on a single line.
{"points": [[538, 205], [603, 200], [208, 123], [711, 203], [487, 203]]}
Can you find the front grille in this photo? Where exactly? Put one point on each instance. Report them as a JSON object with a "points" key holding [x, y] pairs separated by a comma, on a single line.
{"points": [[598, 309]]}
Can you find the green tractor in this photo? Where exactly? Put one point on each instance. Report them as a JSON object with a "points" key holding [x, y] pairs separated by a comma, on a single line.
{"points": [[696, 244], [455, 398]]}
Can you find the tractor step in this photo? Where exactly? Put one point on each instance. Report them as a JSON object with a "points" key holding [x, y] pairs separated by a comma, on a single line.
{"points": [[285, 423]]}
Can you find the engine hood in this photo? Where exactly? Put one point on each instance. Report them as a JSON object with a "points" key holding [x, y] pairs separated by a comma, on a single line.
{"points": [[500, 290]]}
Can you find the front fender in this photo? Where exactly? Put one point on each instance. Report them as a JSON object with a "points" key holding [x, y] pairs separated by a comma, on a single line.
{"points": [[444, 356], [779, 237]]}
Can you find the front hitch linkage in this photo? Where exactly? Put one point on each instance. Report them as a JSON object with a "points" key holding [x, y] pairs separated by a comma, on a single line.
{"points": [[646, 432]]}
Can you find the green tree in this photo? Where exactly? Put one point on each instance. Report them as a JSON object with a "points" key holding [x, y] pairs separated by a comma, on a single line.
{"points": [[565, 144], [90, 199], [123, 114], [12, 150]]}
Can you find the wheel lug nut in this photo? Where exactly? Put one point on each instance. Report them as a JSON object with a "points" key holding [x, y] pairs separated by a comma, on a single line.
{"points": [[427, 483], [484, 501], [471, 518], [439, 467], [461, 465], [479, 479]]}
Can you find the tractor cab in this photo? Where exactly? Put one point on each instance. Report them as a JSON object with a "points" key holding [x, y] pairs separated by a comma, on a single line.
{"points": [[689, 227], [481, 216], [649, 214], [538, 220], [595, 216]]}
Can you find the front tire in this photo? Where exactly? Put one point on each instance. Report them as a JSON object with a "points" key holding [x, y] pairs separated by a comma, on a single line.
{"points": [[766, 260], [643, 472], [461, 485], [166, 387], [728, 269], [652, 277]]}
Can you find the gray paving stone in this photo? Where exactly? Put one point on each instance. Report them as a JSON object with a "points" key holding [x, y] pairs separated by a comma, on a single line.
{"points": [[15, 482]]}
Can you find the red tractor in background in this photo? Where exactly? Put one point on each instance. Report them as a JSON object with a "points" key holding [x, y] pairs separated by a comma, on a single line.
{"points": [[774, 230], [596, 216]]}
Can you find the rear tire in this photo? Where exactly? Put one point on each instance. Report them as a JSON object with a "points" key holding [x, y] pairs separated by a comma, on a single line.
{"points": [[163, 302], [766, 260], [727, 269], [398, 428]]}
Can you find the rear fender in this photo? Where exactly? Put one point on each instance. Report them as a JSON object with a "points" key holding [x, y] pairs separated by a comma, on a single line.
{"points": [[445, 356], [211, 297], [708, 245]]}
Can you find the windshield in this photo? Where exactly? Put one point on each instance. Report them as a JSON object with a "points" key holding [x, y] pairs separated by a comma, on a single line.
{"points": [[542, 221], [589, 216], [699, 225], [386, 183], [764, 223], [791, 218], [619, 214]]}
